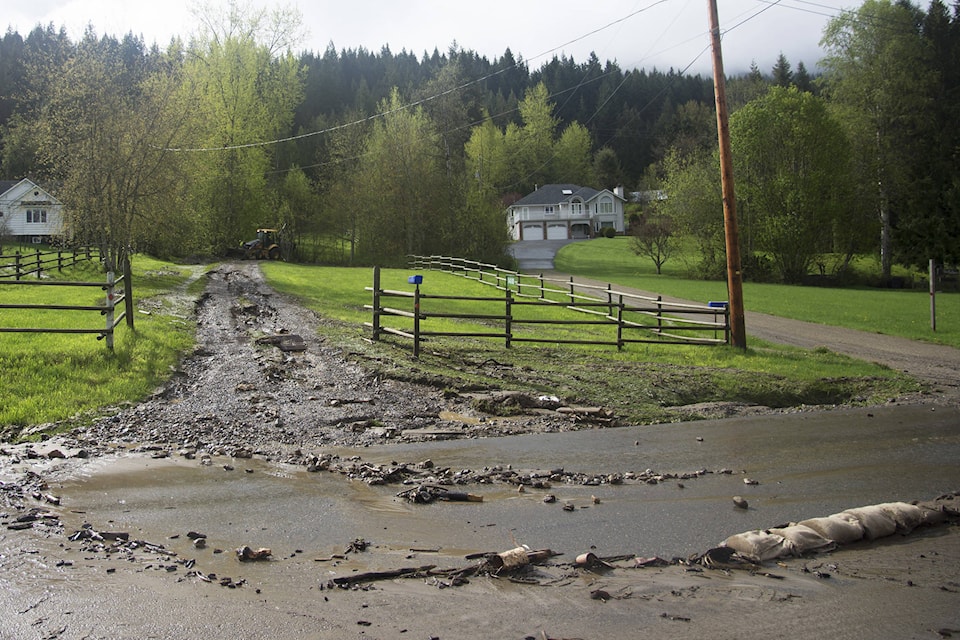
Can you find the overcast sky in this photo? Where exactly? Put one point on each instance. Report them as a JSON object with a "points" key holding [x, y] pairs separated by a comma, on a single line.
{"points": [[636, 33]]}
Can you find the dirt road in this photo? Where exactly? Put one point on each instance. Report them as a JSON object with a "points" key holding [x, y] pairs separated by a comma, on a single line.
{"points": [[252, 389]]}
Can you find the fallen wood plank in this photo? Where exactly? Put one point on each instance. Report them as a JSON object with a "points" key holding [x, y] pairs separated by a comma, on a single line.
{"points": [[372, 576]]}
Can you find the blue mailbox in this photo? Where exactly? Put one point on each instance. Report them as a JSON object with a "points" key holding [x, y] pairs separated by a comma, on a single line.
{"points": [[415, 279]]}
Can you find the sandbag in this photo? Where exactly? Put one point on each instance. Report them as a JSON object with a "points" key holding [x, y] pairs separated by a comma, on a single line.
{"points": [[759, 546], [876, 522], [907, 516], [803, 539], [932, 513], [842, 528]]}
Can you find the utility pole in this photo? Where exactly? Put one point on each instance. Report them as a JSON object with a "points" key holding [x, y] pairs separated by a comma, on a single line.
{"points": [[738, 336]]}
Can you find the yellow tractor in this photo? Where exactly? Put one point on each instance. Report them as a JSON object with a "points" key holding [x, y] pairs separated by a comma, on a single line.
{"points": [[266, 246]]}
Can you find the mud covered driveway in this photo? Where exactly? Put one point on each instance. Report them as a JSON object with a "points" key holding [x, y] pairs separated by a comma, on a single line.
{"points": [[259, 441], [262, 376]]}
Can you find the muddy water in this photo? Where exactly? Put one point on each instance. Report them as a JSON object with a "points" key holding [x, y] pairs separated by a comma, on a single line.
{"points": [[806, 465]]}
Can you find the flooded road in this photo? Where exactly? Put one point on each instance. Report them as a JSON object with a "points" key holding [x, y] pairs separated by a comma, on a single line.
{"points": [[806, 465]]}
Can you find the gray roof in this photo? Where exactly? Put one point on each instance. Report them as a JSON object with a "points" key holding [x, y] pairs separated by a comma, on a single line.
{"points": [[555, 194], [6, 185]]}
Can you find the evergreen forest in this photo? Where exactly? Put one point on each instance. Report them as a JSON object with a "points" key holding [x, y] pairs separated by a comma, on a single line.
{"points": [[365, 157]]}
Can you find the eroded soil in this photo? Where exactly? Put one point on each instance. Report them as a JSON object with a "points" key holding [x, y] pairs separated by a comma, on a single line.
{"points": [[263, 383]]}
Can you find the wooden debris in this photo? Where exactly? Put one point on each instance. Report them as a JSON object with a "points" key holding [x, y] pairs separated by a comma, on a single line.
{"points": [[245, 553], [516, 558], [427, 493], [372, 576]]}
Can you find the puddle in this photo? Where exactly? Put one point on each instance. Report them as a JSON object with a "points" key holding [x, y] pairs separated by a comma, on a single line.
{"points": [[806, 466]]}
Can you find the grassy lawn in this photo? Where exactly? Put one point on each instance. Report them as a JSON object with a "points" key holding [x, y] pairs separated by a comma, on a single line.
{"points": [[643, 382], [46, 378], [50, 377], [903, 313]]}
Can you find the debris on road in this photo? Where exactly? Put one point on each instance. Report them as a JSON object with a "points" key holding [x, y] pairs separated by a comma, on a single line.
{"points": [[246, 553]]}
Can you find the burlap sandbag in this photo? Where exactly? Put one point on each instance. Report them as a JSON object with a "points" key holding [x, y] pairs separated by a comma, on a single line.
{"points": [[804, 539], [759, 546], [907, 516], [842, 528], [932, 513], [876, 522]]}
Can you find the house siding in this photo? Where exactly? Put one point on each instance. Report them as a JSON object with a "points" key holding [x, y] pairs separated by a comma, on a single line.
{"points": [[29, 212], [565, 211]]}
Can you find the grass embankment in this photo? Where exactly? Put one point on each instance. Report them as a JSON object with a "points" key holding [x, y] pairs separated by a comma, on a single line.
{"points": [[895, 312], [50, 377], [642, 383], [46, 378]]}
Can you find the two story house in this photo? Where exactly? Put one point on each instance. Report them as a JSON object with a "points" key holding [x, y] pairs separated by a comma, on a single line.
{"points": [[28, 213], [565, 212]]}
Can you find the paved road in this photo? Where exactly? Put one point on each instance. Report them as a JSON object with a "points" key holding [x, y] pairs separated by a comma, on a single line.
{"points": [[534, 256]]}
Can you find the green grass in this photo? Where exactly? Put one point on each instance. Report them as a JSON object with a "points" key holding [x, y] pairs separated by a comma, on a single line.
{"points": [[46, 378], [51, 377], [904, 313], [642, 383]]}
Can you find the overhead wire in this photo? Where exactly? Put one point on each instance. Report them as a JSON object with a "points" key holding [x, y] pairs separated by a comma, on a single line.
{"points": [[519, 63]]}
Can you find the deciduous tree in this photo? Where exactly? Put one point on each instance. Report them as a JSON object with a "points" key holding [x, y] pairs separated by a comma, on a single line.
{"points": [[792, 163], [878, 72]]}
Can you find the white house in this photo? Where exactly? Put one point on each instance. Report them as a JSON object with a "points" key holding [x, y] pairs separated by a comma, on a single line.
{"points": [[565, 211], [28, 213]]}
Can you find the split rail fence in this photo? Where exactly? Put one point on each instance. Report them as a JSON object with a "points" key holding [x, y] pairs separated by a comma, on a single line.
{"points": [[20, 265], [631, 318], [117, 291]]}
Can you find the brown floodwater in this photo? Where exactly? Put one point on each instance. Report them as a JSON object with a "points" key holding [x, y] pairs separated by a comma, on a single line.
{"points": [[806, 465]]}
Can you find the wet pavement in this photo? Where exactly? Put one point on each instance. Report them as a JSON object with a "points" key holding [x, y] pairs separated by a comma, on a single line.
{"points": [[805, 464]]}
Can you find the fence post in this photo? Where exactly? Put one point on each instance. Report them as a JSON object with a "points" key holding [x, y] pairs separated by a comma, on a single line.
{"points": [[16, 264], [59, 260], [610, 299], [508, 318], [571, 291], [542, 294], [376, 304], [726, 324], [659, 315], [620, 324], [416, 322], [38, 263], [108, 334], [128, 290]]}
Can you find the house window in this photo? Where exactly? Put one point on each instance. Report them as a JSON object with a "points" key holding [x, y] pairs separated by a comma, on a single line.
{"points": [[548, 210], [576, 207], [36, 215], [605, 206]]}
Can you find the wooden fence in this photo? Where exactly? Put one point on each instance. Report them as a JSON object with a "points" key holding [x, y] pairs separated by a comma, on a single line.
{"points": [[20, 265], [633, 318], [116, 290]]}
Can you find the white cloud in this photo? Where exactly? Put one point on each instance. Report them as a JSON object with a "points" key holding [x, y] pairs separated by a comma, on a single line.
{"points": [[669, 34]]}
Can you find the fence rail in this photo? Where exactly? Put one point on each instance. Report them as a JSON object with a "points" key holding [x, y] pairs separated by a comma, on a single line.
{"points": [[635, 318], [20, 265], [117, 291]]}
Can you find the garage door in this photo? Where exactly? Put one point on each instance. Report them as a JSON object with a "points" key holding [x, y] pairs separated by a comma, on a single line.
{"points": [[557, 232], [532, 231]]}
